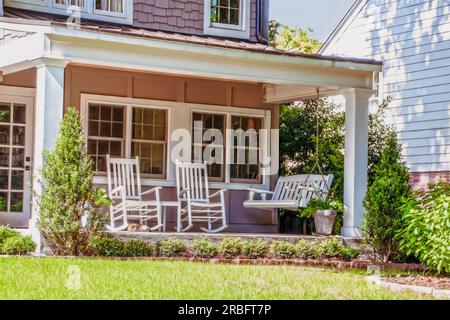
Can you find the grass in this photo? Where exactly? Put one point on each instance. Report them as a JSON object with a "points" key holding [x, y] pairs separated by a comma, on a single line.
{"points": [[54, 278]]}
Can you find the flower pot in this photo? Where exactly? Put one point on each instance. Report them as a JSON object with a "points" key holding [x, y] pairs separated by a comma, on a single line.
{"points": [[324, 221]]}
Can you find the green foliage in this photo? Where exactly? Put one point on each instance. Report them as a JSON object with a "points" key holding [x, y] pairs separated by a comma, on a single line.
{"points": [[231, 247], [171, 247], [204, 248], [6, 232], [384, 200], [255, 249], [18, 245], [283, 250], [303, 250], [288, 38], [137, 248], [319, 204], [112, 247], [68, 192], [108, 247], [331, 248], [425, 227]]}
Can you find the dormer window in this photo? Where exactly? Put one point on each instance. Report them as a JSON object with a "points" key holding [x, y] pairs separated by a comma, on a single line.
{"points": [[227, 18], [117, 11]]}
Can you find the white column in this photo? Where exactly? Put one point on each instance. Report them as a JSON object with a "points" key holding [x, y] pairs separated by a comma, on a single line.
{"points": [[357, 103], [48, 113]]}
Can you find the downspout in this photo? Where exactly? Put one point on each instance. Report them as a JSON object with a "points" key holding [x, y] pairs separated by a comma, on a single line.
{"points": [[262, 21]]}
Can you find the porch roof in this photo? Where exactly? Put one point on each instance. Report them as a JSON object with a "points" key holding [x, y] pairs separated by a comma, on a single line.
{"points": [[47, 19], [287, 76]]}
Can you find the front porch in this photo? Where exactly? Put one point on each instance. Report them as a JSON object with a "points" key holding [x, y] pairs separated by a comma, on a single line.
{"points": [[95, 69]]}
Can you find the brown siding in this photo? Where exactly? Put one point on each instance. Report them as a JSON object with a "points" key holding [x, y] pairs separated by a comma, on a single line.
{"points": [[80, 79], [26, 79], [184, 16]]}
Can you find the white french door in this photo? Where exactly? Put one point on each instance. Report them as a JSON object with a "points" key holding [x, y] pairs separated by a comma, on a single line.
{"points": [[16, 126]]}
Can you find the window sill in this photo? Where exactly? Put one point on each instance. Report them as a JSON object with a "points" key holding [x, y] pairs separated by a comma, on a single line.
{"points": [[227, 33]]}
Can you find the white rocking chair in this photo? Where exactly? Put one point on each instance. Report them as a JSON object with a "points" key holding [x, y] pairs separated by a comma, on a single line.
{"points": [[291, 193], [124, 185], [196, 203]]}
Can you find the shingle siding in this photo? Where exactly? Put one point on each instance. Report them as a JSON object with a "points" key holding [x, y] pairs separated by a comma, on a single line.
{"points": [[184, 16]]}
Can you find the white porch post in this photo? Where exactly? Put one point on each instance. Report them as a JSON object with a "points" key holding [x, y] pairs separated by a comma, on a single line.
{"points": [[47, 116], [357, 102]]}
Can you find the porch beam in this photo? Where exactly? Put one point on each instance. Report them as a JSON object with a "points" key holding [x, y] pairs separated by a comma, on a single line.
{"points": [[278, 94], [48, 115], [357, 104]]}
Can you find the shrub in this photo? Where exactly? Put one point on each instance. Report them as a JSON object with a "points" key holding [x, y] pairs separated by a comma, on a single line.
{"points": [[384, 200], [425, 227], [137, 248], [204, 248], [231, 247], [303, 250], [18, 245], [283, 250], [171, 247], [348, 253], [68, 192], [331, 248], [255, 249], [6, 232], [109, 247]]}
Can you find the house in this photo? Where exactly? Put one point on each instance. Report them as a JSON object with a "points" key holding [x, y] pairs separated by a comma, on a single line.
{"points": [[412, 38], [138, 70]]}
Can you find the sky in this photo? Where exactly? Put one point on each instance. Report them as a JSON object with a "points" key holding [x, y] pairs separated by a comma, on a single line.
{"points": [[320, 15]]}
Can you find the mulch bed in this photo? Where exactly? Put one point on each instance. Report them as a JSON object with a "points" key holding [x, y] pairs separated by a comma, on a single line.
{"points": [[439, 283]]}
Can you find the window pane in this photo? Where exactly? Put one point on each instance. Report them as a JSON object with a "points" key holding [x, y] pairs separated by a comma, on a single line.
{"points": [[149, 139], [105, 134], [5, 113], [109, 5], [246, 147], [202, 122], [226, 11]]}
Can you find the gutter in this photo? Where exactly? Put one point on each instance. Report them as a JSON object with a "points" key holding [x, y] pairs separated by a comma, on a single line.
{"points": [[262, 21]]}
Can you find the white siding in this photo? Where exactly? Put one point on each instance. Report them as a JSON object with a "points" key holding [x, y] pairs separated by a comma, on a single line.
{"points": [[412, 38]]}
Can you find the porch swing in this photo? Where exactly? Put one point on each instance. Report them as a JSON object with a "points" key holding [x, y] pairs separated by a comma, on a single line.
{"points": [[294, 192]]}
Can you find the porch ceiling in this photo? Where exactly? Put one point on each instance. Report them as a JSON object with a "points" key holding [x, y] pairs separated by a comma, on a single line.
{"points": [[287, 76]]}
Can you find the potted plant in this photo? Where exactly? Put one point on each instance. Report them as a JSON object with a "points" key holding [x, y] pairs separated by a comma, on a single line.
{"points": [[324, 213]]}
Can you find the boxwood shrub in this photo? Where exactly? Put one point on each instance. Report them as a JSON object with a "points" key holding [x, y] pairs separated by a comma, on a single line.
{"points": [[171, 247], [231, 247], [255, 249], [204, 248]]}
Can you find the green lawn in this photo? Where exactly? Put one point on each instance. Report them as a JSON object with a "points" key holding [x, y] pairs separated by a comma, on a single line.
{"points": [[44, 278]]}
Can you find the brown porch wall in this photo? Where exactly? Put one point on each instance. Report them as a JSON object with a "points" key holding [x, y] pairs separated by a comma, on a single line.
{"points": [[87, 80], [24, 79]]}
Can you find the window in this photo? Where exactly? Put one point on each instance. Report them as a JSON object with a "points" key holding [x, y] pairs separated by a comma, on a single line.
{"points": [[246, 149], [243, 148], [227, 18], [112, 6], [117, 11], [66, 3], [204, 125], [107, 134], [226, 12]]}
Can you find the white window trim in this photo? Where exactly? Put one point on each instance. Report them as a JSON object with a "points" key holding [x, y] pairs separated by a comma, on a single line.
{"points": [[88, 12], [224, 30], [172, 113]]}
